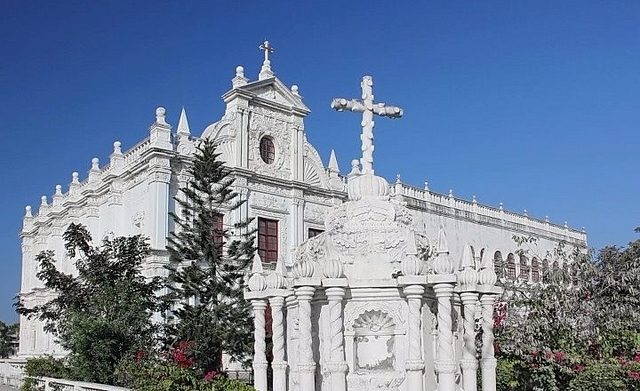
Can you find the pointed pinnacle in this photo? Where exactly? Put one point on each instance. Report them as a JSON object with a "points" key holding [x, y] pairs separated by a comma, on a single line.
{"points": [[333, 162], [183, 123], [256, 267]]}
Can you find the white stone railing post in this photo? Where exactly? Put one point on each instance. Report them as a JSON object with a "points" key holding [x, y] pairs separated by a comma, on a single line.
{"points": [[306, 364], [469, 362], [415, 363], [279, 363], [259, 345], [488, 361], [446, 365]]}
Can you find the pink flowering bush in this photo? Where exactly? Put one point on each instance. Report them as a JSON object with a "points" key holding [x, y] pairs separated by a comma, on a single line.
{"points": [[579, 330], [172, 370]]}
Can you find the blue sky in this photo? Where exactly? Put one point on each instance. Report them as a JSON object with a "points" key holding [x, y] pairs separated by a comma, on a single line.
{"points": [[535, 104]]}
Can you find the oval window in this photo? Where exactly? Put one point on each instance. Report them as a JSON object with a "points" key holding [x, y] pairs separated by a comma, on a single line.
{"points": [[267, 150]]}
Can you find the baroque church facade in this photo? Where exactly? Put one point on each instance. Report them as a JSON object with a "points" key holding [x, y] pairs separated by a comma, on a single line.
{"points": [[286, 185]]}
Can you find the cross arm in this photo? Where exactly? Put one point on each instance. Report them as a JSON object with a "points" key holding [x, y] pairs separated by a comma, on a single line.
{"points": [[387, 111], [342, 104]]}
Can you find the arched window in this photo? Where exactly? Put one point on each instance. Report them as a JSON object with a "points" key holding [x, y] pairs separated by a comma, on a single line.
{"points": [[511, 267], [267, 150], [535, 270], [498, 265], [565, 273], [524, 269], [555, 272], [546, 273]]}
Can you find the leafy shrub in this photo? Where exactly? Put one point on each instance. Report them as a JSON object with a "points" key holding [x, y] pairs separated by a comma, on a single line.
{"points": [[45, 366], [172, 371]]}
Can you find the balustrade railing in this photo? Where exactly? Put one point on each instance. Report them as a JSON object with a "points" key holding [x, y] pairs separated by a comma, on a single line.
{"points": [[447, 204]]}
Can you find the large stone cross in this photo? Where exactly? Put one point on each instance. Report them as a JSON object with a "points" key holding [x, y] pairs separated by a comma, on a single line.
{"points": [[368, 109]]}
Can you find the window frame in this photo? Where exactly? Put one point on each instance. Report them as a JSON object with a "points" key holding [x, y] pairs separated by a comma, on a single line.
{"points": [[268, 240]]}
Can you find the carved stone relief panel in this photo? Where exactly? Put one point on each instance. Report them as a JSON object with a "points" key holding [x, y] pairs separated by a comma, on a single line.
{"points": [[265, 123]]}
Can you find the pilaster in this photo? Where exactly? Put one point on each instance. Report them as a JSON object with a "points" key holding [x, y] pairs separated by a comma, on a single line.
{"points": [[279, 363], [415, 363], [337, 366], [488, 361], [446, 365], [259, 345], [469, 363], [306, 363]]}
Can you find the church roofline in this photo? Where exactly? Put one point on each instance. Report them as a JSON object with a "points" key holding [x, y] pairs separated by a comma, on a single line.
{"points": [[247, 91]]}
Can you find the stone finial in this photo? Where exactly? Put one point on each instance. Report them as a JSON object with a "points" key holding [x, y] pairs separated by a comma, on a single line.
{"points": [[473, 199], [117, 148], [160, 116], [442, 263], [355, 167], [487, 275], [468, 276], [525, 214], [566, 225], [74, 178], [257, 281], [304, 269], [294, 90], [333, 162], [367, 186], [411, 265], [58, 190], [265, 71], [398, 178], [95, 164], [183, 124], [43, 201], [240, 79], [442, 245], [501, 208], [450, 193], [275, 279], [546, 219], [426, 186], [27, 210], [333, 268]]}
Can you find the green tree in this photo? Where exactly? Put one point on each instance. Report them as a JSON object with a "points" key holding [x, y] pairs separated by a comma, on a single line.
{"points": [[208, 262], [8, 339], [581, 324], [103, 312]]}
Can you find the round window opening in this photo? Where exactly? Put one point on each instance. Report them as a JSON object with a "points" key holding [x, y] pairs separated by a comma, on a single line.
{"points": [[267, 150]]}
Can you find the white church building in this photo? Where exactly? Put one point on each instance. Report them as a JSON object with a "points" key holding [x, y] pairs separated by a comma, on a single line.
{"points": [[288, 188]]}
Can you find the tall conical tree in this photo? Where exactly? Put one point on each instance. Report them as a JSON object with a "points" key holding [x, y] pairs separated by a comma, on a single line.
{"points": [[208, 262]]}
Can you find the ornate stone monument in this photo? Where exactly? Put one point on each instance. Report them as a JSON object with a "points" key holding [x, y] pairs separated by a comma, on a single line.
{"points": [[370, 304]]}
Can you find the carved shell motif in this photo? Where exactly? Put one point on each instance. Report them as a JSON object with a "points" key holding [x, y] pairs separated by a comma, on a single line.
{"points": [[375, 321]]}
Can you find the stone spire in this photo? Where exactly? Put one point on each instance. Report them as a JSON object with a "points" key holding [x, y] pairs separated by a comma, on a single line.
{"points": [[183, 123], [266, 71], [333, 162]]}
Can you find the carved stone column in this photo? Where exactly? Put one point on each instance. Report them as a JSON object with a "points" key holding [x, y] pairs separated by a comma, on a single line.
{"points": [[259, 345], [306, 364], [469, 363], [414, 364], [446, 365], [279, 363], [337, 367], [488, 362]]}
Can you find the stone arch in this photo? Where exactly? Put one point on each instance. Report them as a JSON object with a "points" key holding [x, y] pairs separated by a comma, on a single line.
{"points": [[535, 270], [498, 264], [546, 271], [511, 267], [524, 268]]}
